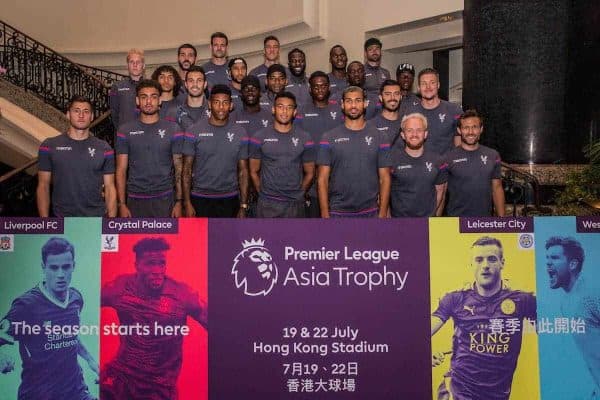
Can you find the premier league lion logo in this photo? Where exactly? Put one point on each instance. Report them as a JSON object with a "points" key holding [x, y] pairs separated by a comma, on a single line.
{"points": [[254, 269]]}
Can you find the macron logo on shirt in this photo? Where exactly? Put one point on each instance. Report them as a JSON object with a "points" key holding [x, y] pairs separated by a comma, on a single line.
{"points": [[205, 134], [271, 140], [64, 148], [136, 133], [459, 160], [341, 140]]}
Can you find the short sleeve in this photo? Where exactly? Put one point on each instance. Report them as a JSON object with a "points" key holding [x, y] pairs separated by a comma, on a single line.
{"points": [[255, 146], [384, 159], [109, 161], [309, 154], [177, 139], [497, 172], [442, 175], [446, 306], [44, 157], [243, 151], [324, 153], [122, 142]]}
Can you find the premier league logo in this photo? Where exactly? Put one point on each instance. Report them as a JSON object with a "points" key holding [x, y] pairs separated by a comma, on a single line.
{"points": [[254, 269]]}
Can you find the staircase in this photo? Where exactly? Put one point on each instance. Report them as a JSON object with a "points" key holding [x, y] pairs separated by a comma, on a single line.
{"points": [[41, 81]]}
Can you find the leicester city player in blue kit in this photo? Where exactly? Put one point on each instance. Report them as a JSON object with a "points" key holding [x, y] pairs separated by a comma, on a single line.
{"points": [[484, 357], [50, 367]]}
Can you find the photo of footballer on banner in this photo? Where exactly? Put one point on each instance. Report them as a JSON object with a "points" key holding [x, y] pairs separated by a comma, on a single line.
{"points": [[568, 267], [49, 308], [483, 309], [154, 310]]}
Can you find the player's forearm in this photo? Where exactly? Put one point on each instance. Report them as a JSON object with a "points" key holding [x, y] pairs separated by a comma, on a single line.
{"points": [[498, 197], [110, 200], [440, 199], [43, 199], [121, 181], [186, 178], [178, 167], [309, 176], [384, 192], [243, 182], [255, 176], [323, 192]]}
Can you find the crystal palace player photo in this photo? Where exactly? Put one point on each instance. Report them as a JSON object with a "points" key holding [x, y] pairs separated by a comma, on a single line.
{"points": [[148, 361], [51, 370], [488, 319]]}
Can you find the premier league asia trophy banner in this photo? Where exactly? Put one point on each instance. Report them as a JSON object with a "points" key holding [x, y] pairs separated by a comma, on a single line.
{"points": [[445, 308]]}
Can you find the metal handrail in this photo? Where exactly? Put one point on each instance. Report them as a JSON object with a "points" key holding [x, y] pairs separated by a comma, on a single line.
{"points": [[532, 179], [16, 171]]}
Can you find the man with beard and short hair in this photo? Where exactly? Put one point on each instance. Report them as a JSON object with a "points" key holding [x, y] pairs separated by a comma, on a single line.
{"points": [[149, 160], [581, 300], [193, 107], [186, 58], [271, 56], [474, 172], [51, 370], [216, 156], [79, 167], [316, 117], [375, 74], [238, 69], [170, 84], [282, 163], [297, 82], [121, 96], [441, 115], [339, 61], [252, 116], [387, 122], [276, 83], [353, 165], [405, 75], [216, 67], [148, 366], [482, 365], [356, 77], [418, 182]]}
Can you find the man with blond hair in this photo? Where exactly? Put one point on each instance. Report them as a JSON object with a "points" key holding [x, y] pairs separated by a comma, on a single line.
{"points": [[122, 94], [418, 181]]}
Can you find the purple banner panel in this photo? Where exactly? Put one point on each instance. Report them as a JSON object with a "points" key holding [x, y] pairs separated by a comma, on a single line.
{"points": [[310, 309], [496, 224], [588, 224], [113, 226], [19, 226]]}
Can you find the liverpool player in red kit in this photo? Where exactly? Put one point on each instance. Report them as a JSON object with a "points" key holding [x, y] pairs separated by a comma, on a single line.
{"points": [[148, 363]]}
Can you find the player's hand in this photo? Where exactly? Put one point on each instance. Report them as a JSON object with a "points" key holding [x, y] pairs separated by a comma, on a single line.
{"points": [[7, 364], [189, 209], [241, 213], [124, 211], [437, 359], [176, 211]]}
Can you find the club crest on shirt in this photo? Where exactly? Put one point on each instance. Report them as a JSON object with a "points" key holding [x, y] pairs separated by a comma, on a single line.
{"points": [[429, 166], [92, 151], [333, 114], [161, 133], [265, 122], [367, 103], [484, 160], [508, 306], [230, 136], [295, 141], [442, 117], [415, 103], [368, 140]]}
